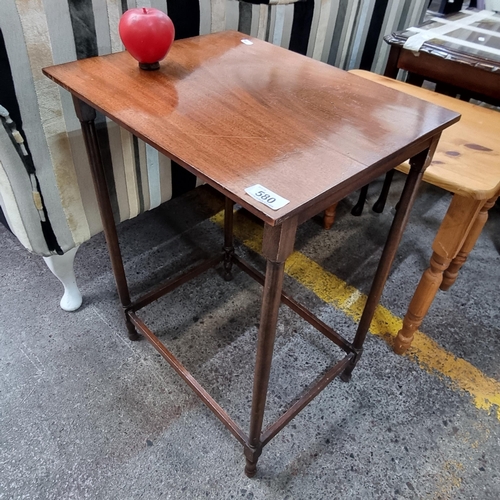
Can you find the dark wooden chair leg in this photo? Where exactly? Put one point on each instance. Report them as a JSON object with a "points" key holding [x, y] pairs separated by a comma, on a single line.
{"points": [[379, 205], [357, 209], [414, 79]]}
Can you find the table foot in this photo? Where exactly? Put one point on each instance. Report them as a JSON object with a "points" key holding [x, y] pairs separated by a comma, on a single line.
{"points": [[405, 336], [346, 375], [252, 456], [250, 468], [132, 332]]}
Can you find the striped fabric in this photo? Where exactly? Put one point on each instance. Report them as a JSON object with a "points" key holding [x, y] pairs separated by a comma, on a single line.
{"points": [[38, 33]]}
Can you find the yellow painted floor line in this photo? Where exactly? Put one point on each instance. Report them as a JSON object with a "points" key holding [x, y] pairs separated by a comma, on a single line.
{"points": [[457, 372]]}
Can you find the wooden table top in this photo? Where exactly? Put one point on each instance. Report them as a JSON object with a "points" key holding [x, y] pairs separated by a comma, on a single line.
{"points": [[467, 159], [469, 37], [238, 114]]}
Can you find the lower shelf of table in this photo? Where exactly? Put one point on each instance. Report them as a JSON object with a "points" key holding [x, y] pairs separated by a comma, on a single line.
{"points": [[308, 395]]}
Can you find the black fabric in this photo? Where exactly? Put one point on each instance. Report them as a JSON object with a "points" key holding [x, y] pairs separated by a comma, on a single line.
{"points": [[301, 27], [48, 232], [374, 34], [82, 22], [245, 19], [185, 15], [7, 92], [7, 98]]}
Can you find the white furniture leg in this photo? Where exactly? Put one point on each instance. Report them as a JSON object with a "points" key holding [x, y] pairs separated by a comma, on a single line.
{"points": [[62, 268]]}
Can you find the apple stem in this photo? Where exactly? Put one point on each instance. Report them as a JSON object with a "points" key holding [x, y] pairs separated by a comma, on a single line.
{"points": [[144, 10]]}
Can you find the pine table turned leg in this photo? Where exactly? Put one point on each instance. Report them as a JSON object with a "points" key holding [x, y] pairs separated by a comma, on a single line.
{"points": [[329, 217], [421, 301], [453, 232], [450, 275]]}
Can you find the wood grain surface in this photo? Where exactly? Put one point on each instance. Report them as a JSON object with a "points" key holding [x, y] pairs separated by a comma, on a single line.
{"points": [[238, 115]]}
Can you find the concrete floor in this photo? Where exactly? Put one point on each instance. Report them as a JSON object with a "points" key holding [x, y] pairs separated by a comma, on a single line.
{"points": [[86, 414]]}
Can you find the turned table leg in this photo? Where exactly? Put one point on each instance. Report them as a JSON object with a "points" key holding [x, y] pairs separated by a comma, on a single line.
{"points": [[418, 165], [87, 115], [453, 232], [450, 275], [276, 247], [329, 217]]}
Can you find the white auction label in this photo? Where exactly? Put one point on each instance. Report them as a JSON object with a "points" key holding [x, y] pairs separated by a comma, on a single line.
{"points": [[266, 196]]}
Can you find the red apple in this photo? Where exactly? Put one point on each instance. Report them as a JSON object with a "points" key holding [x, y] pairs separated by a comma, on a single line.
{"points": [[147, 34]]}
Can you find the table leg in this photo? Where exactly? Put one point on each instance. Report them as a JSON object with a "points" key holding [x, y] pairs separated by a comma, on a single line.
{"points": [[228, 239], [450, 275], [418, 165], [329, 217], [453, 232], [86, 114], [391, 68], [277, 246]]}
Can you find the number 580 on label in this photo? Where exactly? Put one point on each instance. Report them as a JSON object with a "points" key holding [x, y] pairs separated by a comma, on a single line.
{"points": [[266, 196]]}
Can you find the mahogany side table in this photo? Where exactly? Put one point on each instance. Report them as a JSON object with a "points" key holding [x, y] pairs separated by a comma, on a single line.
{"points": [[239, 112]]}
